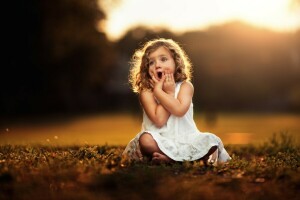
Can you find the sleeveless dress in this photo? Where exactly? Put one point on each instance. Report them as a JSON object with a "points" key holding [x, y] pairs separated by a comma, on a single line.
{"points": [[179, 139]]}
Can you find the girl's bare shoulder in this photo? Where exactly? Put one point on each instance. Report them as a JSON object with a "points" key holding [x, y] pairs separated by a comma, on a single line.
{"points": [[145, 95], [187, 85]]}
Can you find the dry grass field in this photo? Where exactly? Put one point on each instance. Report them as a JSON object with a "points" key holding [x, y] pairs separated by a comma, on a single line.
{"points": [[268, 171]]}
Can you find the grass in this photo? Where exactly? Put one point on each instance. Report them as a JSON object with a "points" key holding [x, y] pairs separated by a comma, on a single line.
{"points": [[266, 171]]}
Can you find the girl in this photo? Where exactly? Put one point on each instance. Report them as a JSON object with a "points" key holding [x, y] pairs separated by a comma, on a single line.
{"points": [[160, 73]]}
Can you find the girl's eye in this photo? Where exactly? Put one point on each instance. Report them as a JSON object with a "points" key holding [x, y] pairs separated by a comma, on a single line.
{"points": [[164, 59], [150, 63]]}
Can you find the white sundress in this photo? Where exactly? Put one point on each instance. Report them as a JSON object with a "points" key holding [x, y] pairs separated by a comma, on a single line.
{"points": [[179, 139]]}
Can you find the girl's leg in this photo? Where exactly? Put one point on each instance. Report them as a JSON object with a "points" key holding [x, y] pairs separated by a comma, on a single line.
{"points": [[148, 145], [150, 148]]}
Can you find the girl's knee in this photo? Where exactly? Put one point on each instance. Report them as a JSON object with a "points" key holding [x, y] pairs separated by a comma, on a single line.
{"points": [[145, 139], [147, 143]]}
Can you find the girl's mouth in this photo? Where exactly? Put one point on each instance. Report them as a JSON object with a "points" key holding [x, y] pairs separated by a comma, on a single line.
{"points": [[159, 75]]}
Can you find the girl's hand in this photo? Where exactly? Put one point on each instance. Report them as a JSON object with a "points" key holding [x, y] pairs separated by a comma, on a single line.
{"points": [[157, 83], [169, 84]]}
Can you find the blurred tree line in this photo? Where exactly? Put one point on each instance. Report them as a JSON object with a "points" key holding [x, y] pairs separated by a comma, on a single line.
{"points": [[56, 60]]}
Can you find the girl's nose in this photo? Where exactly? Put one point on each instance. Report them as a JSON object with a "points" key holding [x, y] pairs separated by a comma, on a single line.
{"points": [[157, 65]]}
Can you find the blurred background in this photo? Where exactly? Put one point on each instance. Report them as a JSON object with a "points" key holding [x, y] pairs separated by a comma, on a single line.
{"points": [[64, 71]]}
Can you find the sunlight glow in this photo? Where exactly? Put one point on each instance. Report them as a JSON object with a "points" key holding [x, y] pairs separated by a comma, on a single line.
{"points": [[181, 16]]}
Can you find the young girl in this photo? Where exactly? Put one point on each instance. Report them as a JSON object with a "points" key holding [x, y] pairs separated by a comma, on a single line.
{"points": [[160, 73]]}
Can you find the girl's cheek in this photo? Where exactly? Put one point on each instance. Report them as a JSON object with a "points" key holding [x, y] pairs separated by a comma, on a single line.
{"points": [[169, 69], [150, 71]]}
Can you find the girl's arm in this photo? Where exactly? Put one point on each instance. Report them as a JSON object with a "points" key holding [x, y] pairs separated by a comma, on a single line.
{"points": [[164, 91], [179, 106], [155, 111]]}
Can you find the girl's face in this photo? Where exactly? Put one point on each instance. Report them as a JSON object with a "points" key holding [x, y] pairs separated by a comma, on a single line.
{"points": [[161, 61]]}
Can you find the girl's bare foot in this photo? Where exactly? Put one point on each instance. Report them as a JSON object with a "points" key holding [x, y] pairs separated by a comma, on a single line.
{"points": [[158, 158]]}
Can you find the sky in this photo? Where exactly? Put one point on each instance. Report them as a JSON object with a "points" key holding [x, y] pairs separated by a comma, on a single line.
{"points": [[185, 15]]}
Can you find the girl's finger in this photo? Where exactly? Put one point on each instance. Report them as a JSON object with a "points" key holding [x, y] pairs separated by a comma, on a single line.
{"points": [[172, 77], [154, 79], [169, 77], [151, 83], [163, 77]]}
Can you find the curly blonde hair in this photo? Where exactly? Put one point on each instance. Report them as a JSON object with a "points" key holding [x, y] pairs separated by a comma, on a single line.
{"points": [[139, 77]]}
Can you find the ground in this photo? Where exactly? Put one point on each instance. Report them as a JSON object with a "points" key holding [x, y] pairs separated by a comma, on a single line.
{"points": [[268, 171]]}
